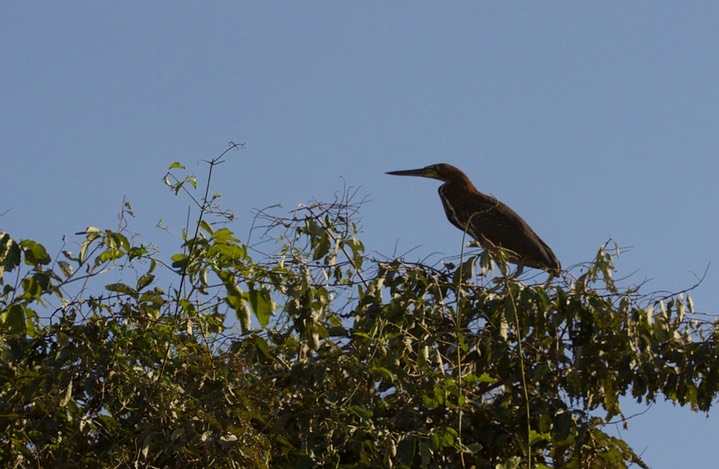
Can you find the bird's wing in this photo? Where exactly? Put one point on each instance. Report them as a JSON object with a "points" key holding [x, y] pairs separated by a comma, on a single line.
{"points": [[499, 225]]}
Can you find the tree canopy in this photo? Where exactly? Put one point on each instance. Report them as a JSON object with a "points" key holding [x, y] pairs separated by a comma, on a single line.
{"points": [[302, 350]]}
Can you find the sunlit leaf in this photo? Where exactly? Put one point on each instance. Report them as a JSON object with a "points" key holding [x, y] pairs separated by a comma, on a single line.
{"points": [[108, 256], [361, 412], [179, 262], [35, 253], [121, 288], [65, 268], [206, 227], [535, 437], [243, 315], [68, 393], [119, 241], [144, 281], [384, 371]]}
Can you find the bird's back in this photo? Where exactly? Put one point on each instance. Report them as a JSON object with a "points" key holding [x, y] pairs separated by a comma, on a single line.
{"points": [[494, 224]]}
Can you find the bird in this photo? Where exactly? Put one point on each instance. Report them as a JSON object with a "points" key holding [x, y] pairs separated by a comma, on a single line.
{"points": [[486, 219]]}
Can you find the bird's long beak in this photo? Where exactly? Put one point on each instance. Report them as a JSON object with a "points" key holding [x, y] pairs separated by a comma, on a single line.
{"points": [[421, 172]]}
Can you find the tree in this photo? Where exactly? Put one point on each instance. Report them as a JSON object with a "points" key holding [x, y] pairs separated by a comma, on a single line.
{"points": [[311, 353]]}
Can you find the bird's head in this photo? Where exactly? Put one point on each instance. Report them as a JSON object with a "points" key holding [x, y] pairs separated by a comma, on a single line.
{"points": [[442, 171]]}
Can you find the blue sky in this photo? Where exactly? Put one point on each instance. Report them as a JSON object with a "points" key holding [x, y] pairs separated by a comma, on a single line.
{"points": [[591, 120]]}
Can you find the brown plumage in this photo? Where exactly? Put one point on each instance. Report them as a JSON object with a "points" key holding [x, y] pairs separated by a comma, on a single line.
{"points": [[490, 222]]}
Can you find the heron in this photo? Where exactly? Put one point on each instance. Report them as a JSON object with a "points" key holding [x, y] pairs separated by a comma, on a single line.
{"points": [[490, 222]]}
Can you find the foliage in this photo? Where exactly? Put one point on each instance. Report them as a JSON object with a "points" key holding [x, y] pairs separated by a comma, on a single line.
{"points": [[340, 359]]}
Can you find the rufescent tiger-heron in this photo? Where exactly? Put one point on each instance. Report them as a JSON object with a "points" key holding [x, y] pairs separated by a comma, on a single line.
{"points": [[490, 222]]}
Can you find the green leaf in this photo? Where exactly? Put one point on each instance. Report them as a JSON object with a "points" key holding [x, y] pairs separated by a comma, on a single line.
{"points": [[179, 262], [447, 437], [357, 249], [234, 252], [107, 256], [9, 254], [322, 248], [235, 297], [68, 394], [14, 319], [474, 448], [144, 281], [121, 288], [224, 235], [483, 378], [206, 227], [35, 253], [261, 304], [176, 165], [364, 335], [244, 316], [91, 234], [65, 268], [136, 252], [536, 437], [466, 270], [406, 449], [361, 412], [36, 285], [262, 346], [430, 402], [384, 371], [119, 241]]}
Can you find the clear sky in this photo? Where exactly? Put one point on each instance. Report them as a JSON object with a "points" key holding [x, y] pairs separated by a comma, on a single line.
{"points": [[592, 120]]}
